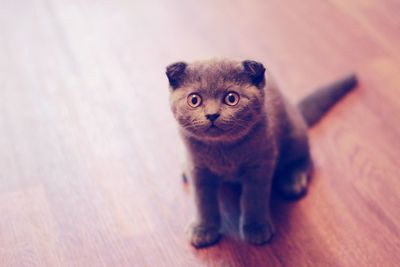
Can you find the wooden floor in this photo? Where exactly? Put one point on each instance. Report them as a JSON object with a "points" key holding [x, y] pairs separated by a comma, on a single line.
{"points": [[90, 159]]}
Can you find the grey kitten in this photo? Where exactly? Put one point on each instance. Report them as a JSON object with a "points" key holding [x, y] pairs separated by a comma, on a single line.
{"points": [[237, 127]]}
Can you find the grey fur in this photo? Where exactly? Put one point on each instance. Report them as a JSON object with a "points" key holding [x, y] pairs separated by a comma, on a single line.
{"points": [[261, 140], [316, 104]]}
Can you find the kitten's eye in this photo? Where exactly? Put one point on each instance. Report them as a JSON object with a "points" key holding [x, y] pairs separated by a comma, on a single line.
{"points": [[232, 98], [194, 100]]}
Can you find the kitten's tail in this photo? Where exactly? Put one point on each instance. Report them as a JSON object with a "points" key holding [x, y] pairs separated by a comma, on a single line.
{"points": [[314, 106]]}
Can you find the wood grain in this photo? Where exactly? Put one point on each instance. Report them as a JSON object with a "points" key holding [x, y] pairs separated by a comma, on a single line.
{"points": [[90, 158]]}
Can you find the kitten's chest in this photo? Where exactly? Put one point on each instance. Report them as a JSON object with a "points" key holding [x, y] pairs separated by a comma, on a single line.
{"points": [[223, 162]]}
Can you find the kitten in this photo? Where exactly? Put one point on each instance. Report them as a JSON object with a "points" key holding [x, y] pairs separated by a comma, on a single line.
{"points": [[237, 127]]}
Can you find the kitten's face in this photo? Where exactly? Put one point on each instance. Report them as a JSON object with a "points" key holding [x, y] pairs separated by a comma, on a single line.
{"points": [[216, 101]]}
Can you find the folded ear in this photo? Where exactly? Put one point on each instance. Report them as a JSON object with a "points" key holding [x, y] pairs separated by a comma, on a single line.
{"points": [[255, 71], [175, 73]]}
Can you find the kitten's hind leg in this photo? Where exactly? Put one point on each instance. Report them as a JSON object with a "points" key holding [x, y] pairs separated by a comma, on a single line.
{"points": [[293, 183], [295, 165]]}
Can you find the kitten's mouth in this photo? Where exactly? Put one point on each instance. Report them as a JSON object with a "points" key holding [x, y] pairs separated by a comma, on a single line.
{"points": [[213, 130]]}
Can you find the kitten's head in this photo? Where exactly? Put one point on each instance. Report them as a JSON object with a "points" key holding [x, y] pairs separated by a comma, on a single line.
{"points": [[216, 101]]}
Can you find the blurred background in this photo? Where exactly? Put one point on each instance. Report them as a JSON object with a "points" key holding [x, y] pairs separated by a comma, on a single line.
{"points": [[90, 158]]}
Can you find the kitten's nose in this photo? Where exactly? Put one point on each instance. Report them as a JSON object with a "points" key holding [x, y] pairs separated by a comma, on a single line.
{"points": [[212, 117]]}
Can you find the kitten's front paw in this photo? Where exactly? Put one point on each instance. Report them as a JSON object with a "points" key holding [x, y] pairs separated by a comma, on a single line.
{"points": [[203, 235], [257, 233]]}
